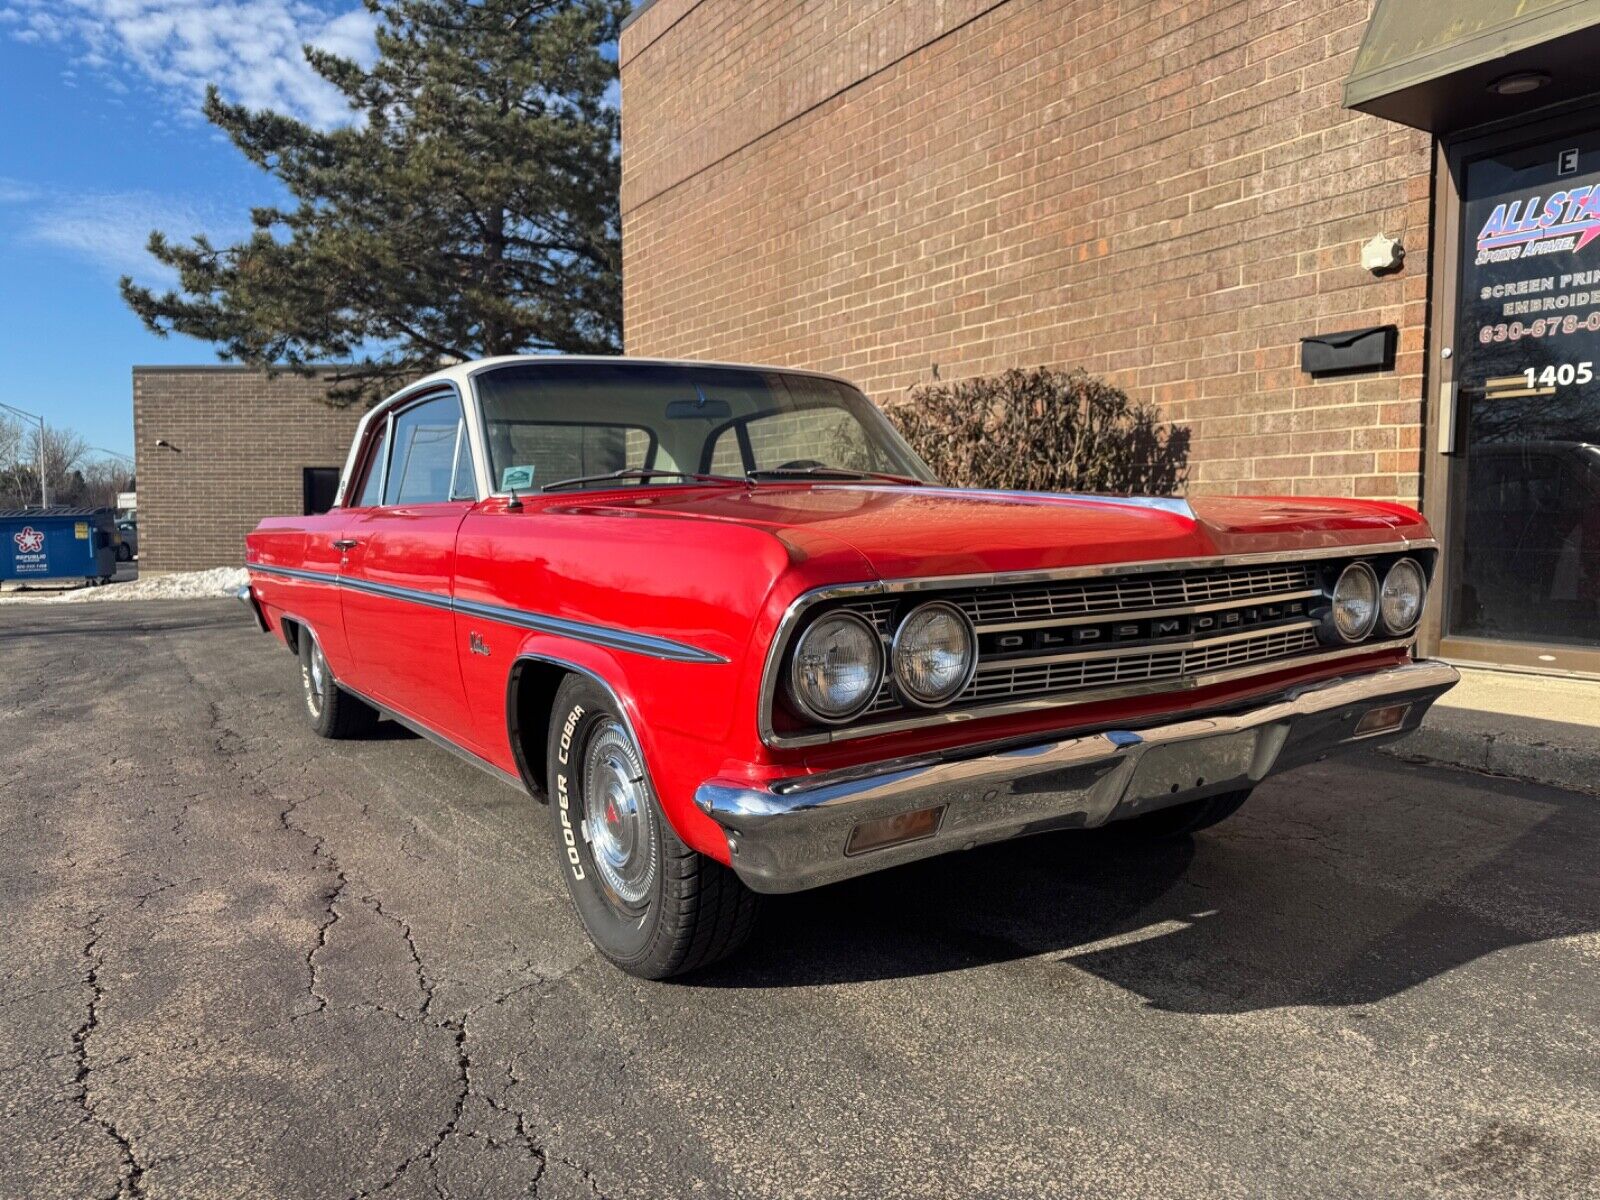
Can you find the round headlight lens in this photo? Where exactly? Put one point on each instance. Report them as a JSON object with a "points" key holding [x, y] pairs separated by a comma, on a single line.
{"points": [[1404, 589], [1355, 602], [934, 654], [836, 667]]}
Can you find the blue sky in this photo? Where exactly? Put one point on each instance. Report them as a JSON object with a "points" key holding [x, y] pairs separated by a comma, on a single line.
{"points": [[100, 142]]}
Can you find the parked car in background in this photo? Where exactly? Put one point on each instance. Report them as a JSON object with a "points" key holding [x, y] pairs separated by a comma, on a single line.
{"points": [[724, 622], [128, 547]]}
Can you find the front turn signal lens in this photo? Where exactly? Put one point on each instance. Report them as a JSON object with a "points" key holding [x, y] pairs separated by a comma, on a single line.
{"points": [[894, 831], [1382, 720]]}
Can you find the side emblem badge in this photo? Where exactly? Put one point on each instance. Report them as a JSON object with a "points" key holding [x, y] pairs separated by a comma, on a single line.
{"points": [[476, 644]]}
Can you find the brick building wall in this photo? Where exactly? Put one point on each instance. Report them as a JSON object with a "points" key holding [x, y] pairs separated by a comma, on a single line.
{"points": [[1166, 192], [242, 441]]}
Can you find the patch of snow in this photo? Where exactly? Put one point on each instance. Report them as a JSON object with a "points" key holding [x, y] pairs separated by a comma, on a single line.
{"points": [[179, 585]]}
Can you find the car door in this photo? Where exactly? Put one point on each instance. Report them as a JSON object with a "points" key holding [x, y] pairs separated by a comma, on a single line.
{"points": [[398, 569]]}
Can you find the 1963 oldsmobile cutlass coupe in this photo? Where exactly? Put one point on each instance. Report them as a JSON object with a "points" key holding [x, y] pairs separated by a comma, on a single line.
{"points": [[724, 622]]}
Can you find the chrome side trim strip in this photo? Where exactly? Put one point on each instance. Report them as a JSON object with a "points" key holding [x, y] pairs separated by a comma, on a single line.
{"points": [[599, 635], [322, 577], [842, 591], [390, 592]]}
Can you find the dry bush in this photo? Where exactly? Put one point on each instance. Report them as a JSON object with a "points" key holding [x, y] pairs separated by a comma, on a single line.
{"points": [[1043, 431]]}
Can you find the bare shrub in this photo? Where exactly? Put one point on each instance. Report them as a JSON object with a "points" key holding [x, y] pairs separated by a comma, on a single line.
{"points": [[1043, 431]]}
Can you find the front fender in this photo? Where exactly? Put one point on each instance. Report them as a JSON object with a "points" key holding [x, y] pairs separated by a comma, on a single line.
{"points": [[677, 764]]}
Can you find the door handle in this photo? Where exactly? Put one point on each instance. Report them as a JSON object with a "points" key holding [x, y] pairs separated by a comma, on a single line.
{"points": [[1448, 440], [346, 544]]}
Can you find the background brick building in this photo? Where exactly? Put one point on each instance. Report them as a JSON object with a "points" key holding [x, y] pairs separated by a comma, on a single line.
{"points": [[1171, 194], [240, 444], [1166, 192]]}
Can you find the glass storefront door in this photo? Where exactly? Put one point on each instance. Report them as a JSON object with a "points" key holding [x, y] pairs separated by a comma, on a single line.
{"points": [[1524, 528]]}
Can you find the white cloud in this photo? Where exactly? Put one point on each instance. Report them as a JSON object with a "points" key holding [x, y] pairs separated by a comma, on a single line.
{"points": [[108, 230], [14, 191], [251, 49]]}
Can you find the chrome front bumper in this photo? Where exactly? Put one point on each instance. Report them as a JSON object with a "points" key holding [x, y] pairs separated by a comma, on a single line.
{"points": [[788, 835]]}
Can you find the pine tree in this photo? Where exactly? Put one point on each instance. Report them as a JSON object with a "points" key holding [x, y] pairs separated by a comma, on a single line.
{"points": [[469, 208]]}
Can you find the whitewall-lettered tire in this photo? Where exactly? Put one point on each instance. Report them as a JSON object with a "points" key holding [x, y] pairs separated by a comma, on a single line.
{"points": [[650, 904]]}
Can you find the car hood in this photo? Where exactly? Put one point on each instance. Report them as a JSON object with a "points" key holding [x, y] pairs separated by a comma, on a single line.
{"points": [[931, 531]]}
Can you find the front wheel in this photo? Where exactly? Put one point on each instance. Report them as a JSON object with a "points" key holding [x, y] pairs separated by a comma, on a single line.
{"points": [[1183, 819], [650, 904]]}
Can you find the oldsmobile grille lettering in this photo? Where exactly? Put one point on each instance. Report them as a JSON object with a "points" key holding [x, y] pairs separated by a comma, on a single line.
{"points": [[1150, 629]]}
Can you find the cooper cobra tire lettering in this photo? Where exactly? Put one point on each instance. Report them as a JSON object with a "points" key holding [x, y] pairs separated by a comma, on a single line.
{"points": [[563, 798], [573, 718]]}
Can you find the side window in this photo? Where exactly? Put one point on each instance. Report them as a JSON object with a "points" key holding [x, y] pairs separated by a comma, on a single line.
{"points": [[422, 464], [371, 486], [465, 486]]}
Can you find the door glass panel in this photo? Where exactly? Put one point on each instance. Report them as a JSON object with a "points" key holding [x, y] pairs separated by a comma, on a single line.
{"points": [[424, 458], [1527, 527], [372, 483], [465, 486]]}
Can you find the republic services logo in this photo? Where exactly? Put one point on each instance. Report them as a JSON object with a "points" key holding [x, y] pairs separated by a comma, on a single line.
{"points": [[29, 541]]}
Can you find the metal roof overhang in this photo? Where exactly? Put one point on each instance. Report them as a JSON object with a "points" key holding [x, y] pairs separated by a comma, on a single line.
{"points": [[1430, 64]]}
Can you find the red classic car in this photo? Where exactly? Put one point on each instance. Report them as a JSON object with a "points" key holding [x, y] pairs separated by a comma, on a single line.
{"points": [[724, 622]]}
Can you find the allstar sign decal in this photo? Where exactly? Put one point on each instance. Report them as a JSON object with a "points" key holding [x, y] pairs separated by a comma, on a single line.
{"points": [[29, 541]]}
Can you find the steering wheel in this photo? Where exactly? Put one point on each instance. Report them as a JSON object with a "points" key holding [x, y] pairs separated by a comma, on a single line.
{"points": [[798, 464]]}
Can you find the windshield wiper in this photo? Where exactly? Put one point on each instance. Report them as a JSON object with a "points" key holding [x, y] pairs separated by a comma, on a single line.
{"points": [[832, 473], [640, 473]]}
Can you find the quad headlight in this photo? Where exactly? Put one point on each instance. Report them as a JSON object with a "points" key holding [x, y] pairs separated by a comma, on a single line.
{"points": [[836, 668], [1405, 588], [1355, 603], [934, 654]]}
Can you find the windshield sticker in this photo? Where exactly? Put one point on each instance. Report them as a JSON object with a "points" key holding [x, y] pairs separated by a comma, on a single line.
{"points": [[516, 477]]}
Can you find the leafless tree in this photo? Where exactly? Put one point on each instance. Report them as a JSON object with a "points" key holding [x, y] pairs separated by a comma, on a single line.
{"points": [[1043, 430], [12, 436], [65, 455]]}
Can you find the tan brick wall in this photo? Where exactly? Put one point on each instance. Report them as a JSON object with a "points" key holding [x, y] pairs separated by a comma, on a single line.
{"points": [[242, 440], [1166, 193]]}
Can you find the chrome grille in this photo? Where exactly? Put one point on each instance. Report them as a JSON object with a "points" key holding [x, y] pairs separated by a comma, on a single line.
{"points": [[1059, 605], [1024, 679], [1108, 597]]}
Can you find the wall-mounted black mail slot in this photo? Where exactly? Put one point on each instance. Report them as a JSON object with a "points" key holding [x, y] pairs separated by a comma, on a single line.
{"points": [[1353, 350]]}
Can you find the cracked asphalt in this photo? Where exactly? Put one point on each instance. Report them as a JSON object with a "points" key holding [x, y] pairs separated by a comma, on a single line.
{"points": [[237, 961]]}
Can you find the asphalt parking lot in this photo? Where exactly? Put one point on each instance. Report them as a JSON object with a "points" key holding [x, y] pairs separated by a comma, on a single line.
{"points": [[238, 961]]}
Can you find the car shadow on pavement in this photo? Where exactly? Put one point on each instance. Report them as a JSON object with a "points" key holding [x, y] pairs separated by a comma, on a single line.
{"points": [[1340, 885]]}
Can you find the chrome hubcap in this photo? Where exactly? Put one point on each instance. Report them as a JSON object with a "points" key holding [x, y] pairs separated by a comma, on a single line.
{"points": [[616, 818], [316, 676]]}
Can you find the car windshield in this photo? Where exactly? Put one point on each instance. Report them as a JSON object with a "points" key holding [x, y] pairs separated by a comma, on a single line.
{"points": [[559, 422]]}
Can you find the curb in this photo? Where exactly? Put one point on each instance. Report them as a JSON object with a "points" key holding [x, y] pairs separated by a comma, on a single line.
{"points": [[1494, 744]]}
